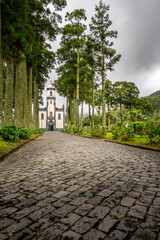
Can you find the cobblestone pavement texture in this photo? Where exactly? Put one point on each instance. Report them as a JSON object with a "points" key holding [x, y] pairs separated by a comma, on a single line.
{"points": [[62, 186]]}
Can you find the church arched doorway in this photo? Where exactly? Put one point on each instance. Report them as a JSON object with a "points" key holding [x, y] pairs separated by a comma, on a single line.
{"points": [[51, 126]]}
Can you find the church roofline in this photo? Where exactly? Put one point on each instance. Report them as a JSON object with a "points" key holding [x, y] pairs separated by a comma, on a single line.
{"points": [[53, 88]]}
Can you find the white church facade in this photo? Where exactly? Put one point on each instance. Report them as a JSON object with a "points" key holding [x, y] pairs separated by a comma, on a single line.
{"points": [[50, 117]]}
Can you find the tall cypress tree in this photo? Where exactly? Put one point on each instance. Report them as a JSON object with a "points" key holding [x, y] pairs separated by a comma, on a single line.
{"points": [[1, 73], [105, 55]]}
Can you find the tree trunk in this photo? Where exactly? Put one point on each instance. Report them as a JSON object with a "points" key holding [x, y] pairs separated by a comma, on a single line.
{"points": [[70, 111], [74, 109], [8, 106], [30, 82], [1, 75], [67, 108], [82, 114], [19, 94], [109, 119], [77, 89], [93, 103], [36, 105], [90, 114], [103, 91], [25, 95], [121, 113]]}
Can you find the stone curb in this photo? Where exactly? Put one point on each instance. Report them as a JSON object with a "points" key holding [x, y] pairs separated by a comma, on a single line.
{"points": [[135, 146], [13, 149]]}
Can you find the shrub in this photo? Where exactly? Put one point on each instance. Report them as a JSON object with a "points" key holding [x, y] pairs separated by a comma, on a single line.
{"points": [[9, 133], [151, 131], [71, 129], [38, 131], [123, 132], [82, 131], [138, 127], [98, 131], [24, 133]]}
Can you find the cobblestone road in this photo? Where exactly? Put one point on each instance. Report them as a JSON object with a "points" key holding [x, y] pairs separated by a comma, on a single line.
{"points": [[61, 186]]}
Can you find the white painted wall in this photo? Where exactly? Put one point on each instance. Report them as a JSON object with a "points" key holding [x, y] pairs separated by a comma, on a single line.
{"points": [[59, 123], [42, 123], [50, 107]]}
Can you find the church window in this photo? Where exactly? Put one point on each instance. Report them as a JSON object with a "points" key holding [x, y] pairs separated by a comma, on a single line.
{"points": [[51, 114], [51, 93], [42, 116], [59, 116], [50, 102]]}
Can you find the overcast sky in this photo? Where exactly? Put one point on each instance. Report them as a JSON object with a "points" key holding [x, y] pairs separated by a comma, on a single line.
{"points": [[138, 26]]}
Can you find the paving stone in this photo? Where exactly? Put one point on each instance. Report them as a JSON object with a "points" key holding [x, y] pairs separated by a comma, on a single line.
{"points": [[128, 224], [116, 235], [23, 213], [61, 201], [64, 210], [44, 222], [41, 212], [61, 194], [70, 219], [105, 193], [95, 200], [94, 234], [156, 201], [119, 195], [99, 212], [70, 235], [3, 237], [84, 224], [17, 226], [110, 202], [138, 211], [154, 211], [79, 201], [143, 235], [107, 224], [84, 209], [73, 188], [127, 201], [91, 193], [25, 234], [54, 231], [119, 211], [5, 222], [151, 223]]}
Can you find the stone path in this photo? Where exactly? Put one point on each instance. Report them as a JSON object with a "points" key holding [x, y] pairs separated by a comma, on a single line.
{"points": [[61, 186]]}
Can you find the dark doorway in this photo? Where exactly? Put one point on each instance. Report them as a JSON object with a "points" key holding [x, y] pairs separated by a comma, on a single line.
{"points": [[50, 127]]}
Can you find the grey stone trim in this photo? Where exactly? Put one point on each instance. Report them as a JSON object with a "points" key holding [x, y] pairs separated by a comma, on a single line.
{"points": [[59, 109], [43, 109], [50, 98], [52, 89]]}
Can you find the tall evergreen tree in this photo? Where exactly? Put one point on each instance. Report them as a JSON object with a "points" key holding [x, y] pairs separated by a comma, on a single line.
{"points": [[105, 55]]}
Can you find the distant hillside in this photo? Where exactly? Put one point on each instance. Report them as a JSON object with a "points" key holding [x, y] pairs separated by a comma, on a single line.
{"points": [[157, 93], [154, 99]]}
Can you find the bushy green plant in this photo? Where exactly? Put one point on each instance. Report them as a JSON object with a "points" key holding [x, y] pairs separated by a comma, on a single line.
{"points": [[151, 131], [24, 133], [123, 132], [71, 129], [38, 131], [98, 131], [138, 127], [9, 133], [82, 131], [126, 131]]}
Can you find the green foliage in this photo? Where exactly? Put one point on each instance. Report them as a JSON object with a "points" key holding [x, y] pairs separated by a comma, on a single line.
{"points": [[123, 132], [138, 127], [9, 133], [38, 131], [97, 120], [71, 129], [151, 131], [13, 133], [24, 133], [98, 131]]}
